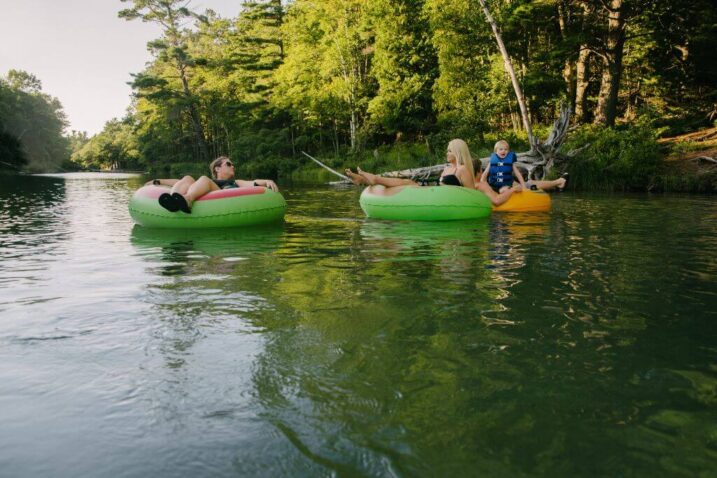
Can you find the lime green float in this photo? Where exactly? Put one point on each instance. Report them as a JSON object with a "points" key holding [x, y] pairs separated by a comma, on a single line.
{"points": [[432, 203], [226, 208]]}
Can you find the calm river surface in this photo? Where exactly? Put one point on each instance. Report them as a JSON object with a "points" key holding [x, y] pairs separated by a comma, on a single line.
{"points": [[581, 342]]}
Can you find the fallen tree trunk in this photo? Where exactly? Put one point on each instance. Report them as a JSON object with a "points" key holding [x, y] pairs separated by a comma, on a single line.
{"points": [[538, 162]]}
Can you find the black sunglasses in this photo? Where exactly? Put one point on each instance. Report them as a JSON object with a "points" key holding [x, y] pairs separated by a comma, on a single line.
{"points": [[228, 163]]}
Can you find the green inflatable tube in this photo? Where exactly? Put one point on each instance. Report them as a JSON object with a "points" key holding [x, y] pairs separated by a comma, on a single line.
{"points": [[434, 203], [226, 208]]}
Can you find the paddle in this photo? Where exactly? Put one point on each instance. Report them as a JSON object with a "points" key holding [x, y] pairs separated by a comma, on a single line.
{"points": [[325, 167]]}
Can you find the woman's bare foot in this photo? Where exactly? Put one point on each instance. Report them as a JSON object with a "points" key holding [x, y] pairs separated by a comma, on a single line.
{"points": [[370, 178], [357, 179]]}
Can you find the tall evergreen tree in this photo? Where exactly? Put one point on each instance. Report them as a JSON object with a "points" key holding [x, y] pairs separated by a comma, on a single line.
{"points": [[171, 48]]}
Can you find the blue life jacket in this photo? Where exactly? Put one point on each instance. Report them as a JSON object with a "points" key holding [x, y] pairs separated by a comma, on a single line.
{"points": [[501, 170]]}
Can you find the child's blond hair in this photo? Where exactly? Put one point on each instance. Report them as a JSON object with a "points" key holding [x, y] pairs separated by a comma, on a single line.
{"points": [[502, 142]]}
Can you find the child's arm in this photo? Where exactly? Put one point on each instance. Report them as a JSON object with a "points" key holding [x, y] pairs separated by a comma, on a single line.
{"points": [[519, 176]]}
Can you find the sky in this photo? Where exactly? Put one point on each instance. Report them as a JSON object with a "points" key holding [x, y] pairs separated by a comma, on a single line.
{"points": [[82, 52]]}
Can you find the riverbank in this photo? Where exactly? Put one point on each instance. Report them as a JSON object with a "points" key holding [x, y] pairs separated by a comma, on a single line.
{"points": [[629, 158], [690, 164]]}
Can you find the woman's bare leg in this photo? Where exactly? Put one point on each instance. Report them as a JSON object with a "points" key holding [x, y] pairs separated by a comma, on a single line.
{"points": [[200, 187], [357, 179], [374, 179], [183, 185]]}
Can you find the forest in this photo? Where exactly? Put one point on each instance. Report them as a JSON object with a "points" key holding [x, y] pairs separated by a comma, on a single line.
{"points": [[386, 83]]}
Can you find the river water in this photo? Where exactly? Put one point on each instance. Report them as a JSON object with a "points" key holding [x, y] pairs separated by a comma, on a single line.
{"points": [[580, 342]]}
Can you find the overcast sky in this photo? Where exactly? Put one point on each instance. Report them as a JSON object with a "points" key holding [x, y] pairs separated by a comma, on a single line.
{"points": [[81, 52]]}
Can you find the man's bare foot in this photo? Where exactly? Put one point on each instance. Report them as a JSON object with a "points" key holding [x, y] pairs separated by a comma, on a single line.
{"points": [[357, 179], [370, 178]]}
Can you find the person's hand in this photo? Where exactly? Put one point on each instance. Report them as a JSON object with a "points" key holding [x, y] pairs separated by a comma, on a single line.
{"points": [[268, 183]]}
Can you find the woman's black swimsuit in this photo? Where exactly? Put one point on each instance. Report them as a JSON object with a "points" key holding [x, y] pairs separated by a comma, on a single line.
{"points": [[450, 180], [225, 183]]}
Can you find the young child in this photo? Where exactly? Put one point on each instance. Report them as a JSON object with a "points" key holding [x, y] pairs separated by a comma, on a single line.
{"points": [[502, 170]]}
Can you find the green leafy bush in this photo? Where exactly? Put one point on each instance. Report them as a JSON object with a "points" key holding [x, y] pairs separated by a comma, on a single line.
{"points": [[626, 159]]}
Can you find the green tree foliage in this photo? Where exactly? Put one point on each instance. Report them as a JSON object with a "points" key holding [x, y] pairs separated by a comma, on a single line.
{"points": [[115, 147], [470, 90], [31, 125], [338, 77], [171, 50], [254, 49], [326, 77], [675, 66], [405, 66]]}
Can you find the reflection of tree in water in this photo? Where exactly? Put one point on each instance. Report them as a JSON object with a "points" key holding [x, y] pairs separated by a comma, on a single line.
{"points": [[371, 389], [635, 304], [378, 359], [399, 355]]}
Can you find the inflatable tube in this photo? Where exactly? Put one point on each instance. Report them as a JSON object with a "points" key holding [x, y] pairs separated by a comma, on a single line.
{"points": [[525, 201], [428, 203], [226, 208]]}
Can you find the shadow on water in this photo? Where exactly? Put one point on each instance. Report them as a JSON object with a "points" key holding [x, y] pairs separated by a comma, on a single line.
{"points": [[35, 219], [31, 207]]}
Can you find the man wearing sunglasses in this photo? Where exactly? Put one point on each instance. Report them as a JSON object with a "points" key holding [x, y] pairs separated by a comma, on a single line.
{"points": [[184, 191]]}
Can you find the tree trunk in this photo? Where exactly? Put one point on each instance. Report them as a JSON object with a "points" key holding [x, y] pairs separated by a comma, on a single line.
{"points": [[612, 65], [336, 137], [352, 129], [194, 115], [511, 72], [582, 73], [582, 69], [569, 69]]}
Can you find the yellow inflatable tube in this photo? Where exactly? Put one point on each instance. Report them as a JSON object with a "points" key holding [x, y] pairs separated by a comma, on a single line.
{"points": [[525, 201]]}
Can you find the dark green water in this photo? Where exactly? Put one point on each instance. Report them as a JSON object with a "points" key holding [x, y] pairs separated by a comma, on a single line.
{"points": [[582, 342]]}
